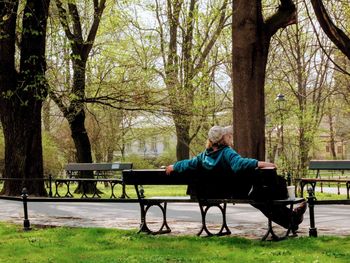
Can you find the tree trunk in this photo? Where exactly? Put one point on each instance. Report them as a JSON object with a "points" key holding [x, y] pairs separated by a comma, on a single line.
{"points": [[249, 57], [183, 139], [23, 149], [22, 96], [76, 112], [46, 115], [331, 135], [304, 148], [250, 45], [80, 138], [76, 119]]}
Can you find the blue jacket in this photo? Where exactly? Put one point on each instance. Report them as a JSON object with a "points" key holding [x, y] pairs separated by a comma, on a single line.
{"points": [[225, 158]]}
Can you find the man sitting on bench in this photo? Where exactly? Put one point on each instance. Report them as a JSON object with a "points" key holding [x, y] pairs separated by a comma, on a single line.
{"points": [[256, 180]]}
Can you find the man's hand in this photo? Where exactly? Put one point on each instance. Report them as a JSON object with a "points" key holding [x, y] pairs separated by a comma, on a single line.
{"points": [[169, 169], [266, 165]]}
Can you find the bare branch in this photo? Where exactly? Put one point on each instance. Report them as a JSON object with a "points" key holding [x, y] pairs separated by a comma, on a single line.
{"points": [[341, 69], [214, 37], [64, 20], [336, 35], [58, 102], [161, 33], [98, 10], [73, 11]]}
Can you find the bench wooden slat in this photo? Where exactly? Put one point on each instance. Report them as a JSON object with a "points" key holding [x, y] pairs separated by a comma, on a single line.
{"points": [[329, 165], [153, 177], [159, 177], [324, 180], [98, 166]]}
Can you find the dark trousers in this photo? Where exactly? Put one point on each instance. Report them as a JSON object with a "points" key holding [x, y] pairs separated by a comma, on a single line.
{"points": [[265, 185]]}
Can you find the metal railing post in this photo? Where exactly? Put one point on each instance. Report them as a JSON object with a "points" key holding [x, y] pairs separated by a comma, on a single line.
{"points": [[311, 201], [26, 223], [50, 185], [289, 179]]}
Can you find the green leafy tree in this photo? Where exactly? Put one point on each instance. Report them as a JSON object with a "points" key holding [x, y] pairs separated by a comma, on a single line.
{"points": [[186, 32], [304, 76], [81, 42]]}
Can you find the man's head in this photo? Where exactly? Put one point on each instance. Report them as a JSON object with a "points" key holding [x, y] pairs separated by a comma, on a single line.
{"points": [[221, 135], [228, 129], [228, 135], [215, 134]]}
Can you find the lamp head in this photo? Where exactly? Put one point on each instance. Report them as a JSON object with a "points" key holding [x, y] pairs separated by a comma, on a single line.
{"points": [[280, 98]]}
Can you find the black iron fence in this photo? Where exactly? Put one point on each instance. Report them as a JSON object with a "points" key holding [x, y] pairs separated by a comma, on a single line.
{"points": [[62, 187]]}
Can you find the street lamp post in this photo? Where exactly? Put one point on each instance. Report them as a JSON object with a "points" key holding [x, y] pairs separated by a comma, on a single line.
{"points": [[280, 99]]}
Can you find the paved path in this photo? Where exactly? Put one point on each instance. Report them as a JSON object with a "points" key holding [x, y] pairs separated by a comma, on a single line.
{"points": [[243, 219]]}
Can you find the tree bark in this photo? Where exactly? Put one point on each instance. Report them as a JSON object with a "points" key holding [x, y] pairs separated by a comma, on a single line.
{"points": [[22, 95], [183, 139], [331, 135], [80, 138], [250, 45]]}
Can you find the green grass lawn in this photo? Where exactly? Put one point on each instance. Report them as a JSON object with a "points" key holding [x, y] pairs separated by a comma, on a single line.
{"points": [[63, 244], [150, 190], [327, 196]]}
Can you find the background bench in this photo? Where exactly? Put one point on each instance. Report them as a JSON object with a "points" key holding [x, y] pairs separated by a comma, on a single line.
{"points": [[108, 173], [159, 177], [327, 166], [98, 169]]}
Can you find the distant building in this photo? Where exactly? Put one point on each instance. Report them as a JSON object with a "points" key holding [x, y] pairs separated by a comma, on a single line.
{"points": [[341, 143], [149, 136]]}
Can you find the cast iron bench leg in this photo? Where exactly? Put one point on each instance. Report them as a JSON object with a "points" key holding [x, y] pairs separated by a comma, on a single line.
{"points": [[144, 228], [96, 191], [112, 189], [56, 187], [124, 195], [204, 207], [273, 234], [84, 185], [68, 194]]}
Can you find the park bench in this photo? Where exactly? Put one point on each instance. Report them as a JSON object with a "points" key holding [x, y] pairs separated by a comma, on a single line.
{"points": [[327, 165], [193, 180], [103, 172]]}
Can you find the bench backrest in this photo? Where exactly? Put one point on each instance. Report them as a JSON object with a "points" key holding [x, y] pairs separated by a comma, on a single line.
{"points": [[200, 184], [329, 165], [154, 177], [72, 167]]}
